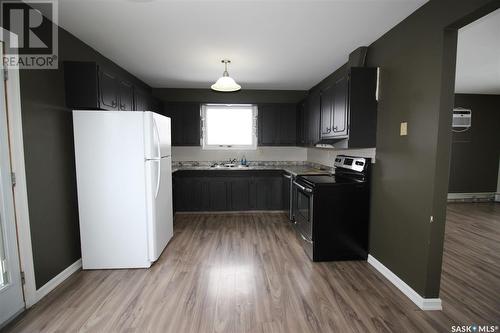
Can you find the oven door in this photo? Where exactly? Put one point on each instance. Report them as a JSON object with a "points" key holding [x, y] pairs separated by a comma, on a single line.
{"points": [[303, 210]]}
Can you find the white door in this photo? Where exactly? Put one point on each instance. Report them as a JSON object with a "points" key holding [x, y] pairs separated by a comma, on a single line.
{"points": [[11, 293]]}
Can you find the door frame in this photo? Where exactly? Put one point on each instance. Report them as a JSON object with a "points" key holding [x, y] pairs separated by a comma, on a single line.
{"points": [[13, 93]]}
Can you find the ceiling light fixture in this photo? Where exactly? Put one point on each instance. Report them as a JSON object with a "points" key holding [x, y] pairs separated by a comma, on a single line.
{"points": [[226, 83]]}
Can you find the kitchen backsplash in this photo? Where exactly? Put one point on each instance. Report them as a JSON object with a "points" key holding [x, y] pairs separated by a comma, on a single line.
{"points": [[321, 156], [261, 154]]}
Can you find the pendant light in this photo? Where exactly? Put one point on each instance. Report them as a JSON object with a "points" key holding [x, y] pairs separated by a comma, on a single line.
{"points": [[226, 83]]}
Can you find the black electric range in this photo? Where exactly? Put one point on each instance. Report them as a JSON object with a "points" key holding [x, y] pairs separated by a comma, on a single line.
{"points": [[331, 212]]}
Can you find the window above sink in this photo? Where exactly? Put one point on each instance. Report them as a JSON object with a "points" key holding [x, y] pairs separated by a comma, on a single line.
{"points": [[229, 126]]}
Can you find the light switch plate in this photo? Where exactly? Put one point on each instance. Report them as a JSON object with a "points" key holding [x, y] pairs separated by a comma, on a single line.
{"points": [[403, 130]]}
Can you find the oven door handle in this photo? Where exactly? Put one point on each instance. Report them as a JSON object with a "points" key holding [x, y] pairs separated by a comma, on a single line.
{"points": [[287, 176], [303, 188]]}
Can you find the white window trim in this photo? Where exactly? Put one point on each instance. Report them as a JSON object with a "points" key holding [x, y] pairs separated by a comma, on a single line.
{"points": [[206, 146]]}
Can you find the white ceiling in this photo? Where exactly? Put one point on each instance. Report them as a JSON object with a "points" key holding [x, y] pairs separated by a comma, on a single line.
{"points": [[478, 56], [274, 44]]}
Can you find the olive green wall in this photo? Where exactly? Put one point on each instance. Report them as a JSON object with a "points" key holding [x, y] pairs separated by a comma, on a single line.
{"points": [[475, 152], [410, 178]]}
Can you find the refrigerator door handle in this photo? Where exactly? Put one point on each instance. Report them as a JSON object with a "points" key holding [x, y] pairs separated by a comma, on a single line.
{"points": [[157, 134], [158, 179]]}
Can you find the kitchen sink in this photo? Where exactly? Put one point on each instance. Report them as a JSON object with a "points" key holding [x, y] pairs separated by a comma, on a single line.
{"points": [[228, 166]]}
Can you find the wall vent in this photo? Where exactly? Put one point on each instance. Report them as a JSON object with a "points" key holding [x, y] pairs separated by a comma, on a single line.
{"points": [[462, 118]]}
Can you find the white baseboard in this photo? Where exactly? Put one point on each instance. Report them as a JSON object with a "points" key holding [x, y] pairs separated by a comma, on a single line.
{"points": [[426, 304], [57, 280], [497, 197], [471, 196]]}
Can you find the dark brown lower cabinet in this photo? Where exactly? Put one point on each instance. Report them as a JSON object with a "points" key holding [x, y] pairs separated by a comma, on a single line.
{"points": [[220, 190]]}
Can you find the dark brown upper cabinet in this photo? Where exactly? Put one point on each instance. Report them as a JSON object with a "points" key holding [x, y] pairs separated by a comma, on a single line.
{"points": [[349, 108], [327, 105], [108, 90], [82, 85], [155, 105], [313, 105], [186, 127], [277, 124], [302, 123], [92, 86], [126, 95], [340, 109], [334, 111], [141, 100], [144, 101], [362, 105]]}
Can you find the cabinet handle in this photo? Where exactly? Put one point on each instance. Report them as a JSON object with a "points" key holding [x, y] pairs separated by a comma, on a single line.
{"points": [[328, 129], [122, 106], [335, 128], [113, 104]]}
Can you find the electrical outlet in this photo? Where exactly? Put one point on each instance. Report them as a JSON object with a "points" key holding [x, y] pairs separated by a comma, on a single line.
{"points": [[403, 130]]}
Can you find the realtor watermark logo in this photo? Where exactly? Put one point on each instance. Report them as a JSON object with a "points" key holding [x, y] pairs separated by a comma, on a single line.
{"points": [[474, 328], [35, 24]]}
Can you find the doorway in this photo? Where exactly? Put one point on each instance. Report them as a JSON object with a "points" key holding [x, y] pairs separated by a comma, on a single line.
{"points": [[11, 290], [471, 260]]}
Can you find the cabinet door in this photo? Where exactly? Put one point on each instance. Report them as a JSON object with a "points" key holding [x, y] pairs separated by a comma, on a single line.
{"points": [[262, 190], [287, 125], [108, 90], [340, 110], [314, 109], [189, 194], [277, 124], [218, 194], [362, 107], [155, 105], [240, 193], [140, 100], [191, 124], [269, 192], [268, 124], [126, 96], [327, 104], [81, 85], [185, 118], [193, 194], [302, 124], [276, 193], [176, 127]]}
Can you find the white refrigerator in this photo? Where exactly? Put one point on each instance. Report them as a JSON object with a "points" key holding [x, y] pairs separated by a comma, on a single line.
{"points": [[124, 183]]}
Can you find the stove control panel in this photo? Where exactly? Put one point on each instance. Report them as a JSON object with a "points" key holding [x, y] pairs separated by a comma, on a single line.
{"points": [[350, 162]]}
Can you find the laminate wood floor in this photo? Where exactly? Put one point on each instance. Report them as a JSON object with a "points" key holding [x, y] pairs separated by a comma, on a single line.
{"points": [[248, 273]]}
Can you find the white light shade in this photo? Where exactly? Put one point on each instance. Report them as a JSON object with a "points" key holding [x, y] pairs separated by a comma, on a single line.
{"points": [[226, 83]]}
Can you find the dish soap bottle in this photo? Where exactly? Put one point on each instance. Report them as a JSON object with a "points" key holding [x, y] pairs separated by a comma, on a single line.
{"points": [[243, 160]]}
